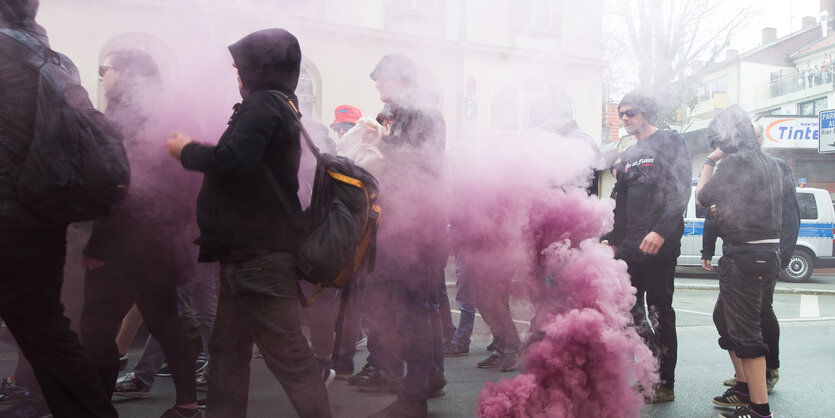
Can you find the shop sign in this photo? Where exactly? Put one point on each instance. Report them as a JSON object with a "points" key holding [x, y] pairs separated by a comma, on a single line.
{"points": [[799, 132]]}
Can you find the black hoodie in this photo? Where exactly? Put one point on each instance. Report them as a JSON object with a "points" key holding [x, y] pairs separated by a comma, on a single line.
{"points": [[239, 214]]}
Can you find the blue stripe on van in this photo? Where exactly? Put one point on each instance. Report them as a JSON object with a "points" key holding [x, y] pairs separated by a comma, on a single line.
{"points": [[807, 230]]}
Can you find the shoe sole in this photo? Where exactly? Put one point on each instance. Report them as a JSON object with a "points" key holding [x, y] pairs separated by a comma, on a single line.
{"points": [[649, 401], [729, 382], [487, 366], [134, 395], [728, 404]]}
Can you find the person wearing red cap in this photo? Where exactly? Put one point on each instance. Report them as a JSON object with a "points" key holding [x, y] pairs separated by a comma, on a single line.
{"points": [[345, 117]]}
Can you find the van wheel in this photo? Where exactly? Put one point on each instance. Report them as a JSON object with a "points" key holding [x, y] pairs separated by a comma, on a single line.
{"points": [[799, 269]]}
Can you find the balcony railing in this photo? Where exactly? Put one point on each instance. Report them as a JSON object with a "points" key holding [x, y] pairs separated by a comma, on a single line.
{"points": [[789, 88]]}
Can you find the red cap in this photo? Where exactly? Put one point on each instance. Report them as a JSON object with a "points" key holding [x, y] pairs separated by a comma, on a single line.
{"points": [[346, 114]]}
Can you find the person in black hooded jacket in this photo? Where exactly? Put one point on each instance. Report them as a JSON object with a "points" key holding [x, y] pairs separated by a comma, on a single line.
{"points": [[244, 226], [32, 250]]}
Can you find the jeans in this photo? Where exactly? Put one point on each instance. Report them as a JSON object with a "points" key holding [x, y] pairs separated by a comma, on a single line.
{"points": [[30, 291], [109, 293], [258, 302], [654, 280], [200, 295], [466, 299]]}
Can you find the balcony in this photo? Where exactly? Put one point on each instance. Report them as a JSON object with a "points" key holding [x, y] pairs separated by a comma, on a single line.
{"points": [[710, 104], [786, 89]]}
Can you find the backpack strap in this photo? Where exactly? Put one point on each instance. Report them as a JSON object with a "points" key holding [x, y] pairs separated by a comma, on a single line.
{"points": [[289, 103], [27, 49]]}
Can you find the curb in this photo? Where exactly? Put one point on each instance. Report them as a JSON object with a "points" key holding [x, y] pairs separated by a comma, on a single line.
{"points": [[784, 290]]}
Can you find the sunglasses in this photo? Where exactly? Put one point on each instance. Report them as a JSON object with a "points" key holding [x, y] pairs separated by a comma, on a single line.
{"points": [[630, 113], [103, 69]]}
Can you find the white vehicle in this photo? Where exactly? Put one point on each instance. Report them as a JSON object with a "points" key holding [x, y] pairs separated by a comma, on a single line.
{"points": [[814, 242]]}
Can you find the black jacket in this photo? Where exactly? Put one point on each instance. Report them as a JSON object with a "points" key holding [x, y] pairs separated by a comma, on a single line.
{"points": [[18, 95], [747, 191], [789, 226], [239, 214], [652, 190]]}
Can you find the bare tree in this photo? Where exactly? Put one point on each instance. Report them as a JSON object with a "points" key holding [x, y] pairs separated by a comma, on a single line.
{"points": [[668, 37]]}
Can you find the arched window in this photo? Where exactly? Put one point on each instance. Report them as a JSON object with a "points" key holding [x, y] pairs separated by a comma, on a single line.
{"points": [[308, 91], [517, 106]]}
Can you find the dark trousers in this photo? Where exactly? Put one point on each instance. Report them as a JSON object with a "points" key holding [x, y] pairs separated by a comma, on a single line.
{"points": [[447, 326], [653, 278], [109, 293], [493, 302], [30, 292], [258, 302]]}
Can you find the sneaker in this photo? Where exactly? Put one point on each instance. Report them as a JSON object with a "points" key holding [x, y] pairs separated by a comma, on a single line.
{"points": [[328, 375], [455, 350], [732, 398], [10, 391], [201, 403], [771, 378], [491, 362], [130, 386], [200, 365], [402, 408], [730, 382], [202, 382], [368, 372], [343, 372], [164, 371], [177, 412], [743, 412], [381, 382], [660, 394], [437, 382], [492, 346], [28, 407], [123, 362], [508, 361]]}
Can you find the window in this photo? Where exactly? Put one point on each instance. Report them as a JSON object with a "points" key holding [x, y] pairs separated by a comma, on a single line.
{"points": [[701, 212], [719, 85], [808, 207], [518, 106], [308, 92], [812, 107], [536, 14]]}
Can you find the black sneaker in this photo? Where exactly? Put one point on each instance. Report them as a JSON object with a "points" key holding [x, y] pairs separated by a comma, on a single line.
{"points": [[732, 398], [177, 412], [744, 412], [402, 408], [455, 350], [660, 393], [368, 372], [202, 382], [491, 362], [200, 365], [28, 407], [164, 371], [201, 403], [381, 382]]}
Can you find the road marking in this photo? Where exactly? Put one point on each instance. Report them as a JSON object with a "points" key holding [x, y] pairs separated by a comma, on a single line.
{"points": [[694, 312], [518, 321], [809, 307]]}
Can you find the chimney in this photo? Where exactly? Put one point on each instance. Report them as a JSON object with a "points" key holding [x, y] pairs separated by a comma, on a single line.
{"points": [[807, 21], [731, 54], [769, 34], [824, 23]]}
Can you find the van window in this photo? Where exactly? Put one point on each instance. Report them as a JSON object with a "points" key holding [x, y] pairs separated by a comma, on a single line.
{"points": [[808, 208], [701, 211]]}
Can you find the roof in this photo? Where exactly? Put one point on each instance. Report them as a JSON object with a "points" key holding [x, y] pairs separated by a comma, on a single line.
{"points": [[817, 45]]}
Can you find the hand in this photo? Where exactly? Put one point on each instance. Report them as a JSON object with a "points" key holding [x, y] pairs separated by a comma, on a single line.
{"points": [[706, 265], [713, 211], [176, 142], [651, 243], [90, 263]]}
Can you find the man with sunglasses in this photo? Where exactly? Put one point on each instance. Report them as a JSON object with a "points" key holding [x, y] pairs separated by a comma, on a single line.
{"points": [[653, 187]]}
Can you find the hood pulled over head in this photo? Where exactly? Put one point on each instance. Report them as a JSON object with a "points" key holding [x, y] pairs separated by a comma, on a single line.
{"points": [[268, 59], [732, 131], [20, 14]]}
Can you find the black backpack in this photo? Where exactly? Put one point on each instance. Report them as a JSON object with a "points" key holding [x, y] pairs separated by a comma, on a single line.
{"points": [[76, 166], [339, 229]]}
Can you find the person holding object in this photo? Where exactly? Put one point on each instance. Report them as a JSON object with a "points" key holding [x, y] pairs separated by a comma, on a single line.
{"points": [[245, 227]]}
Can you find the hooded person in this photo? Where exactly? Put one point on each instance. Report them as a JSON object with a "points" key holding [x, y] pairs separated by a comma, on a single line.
{"points": [[745, 195], [32, 249], [245, 227]]}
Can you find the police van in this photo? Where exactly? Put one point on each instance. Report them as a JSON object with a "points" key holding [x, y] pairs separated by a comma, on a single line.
{"points": [[814, 242]]}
